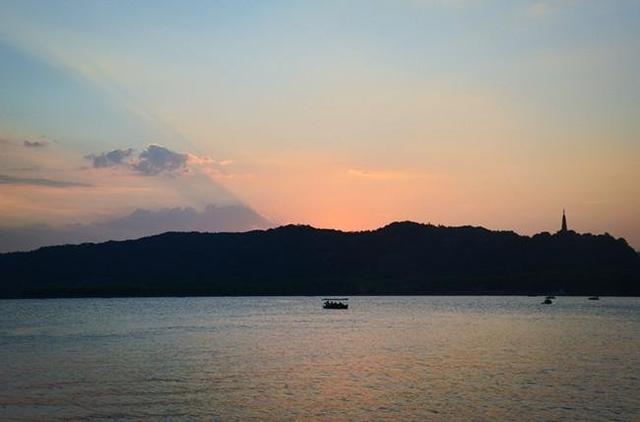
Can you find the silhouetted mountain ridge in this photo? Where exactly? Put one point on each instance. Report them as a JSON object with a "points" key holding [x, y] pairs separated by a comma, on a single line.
{"points": [[400, 258]]}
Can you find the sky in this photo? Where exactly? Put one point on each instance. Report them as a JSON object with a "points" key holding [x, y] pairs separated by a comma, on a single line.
{"points": [[339, 114]]}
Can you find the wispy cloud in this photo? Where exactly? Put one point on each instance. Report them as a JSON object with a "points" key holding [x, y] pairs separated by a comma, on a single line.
{"points": [[11, 180], [540, 9], [25, 143], [386, 174], [35, 144]]}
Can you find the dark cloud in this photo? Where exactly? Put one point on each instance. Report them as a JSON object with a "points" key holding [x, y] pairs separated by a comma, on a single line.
{"points": [[212, 219], [110, 159], [139, 223], [35, 144], [157, 159], [153, 160], [11, 180]]}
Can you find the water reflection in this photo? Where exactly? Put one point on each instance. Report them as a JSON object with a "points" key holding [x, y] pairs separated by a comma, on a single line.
{"points": [[410, 358]]}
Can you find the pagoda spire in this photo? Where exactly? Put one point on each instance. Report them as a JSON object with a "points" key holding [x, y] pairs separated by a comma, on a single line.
{"points": [[564, 222]]}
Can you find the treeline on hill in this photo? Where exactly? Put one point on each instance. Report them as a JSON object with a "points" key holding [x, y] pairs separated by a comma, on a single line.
{"points": [[401, 258]]}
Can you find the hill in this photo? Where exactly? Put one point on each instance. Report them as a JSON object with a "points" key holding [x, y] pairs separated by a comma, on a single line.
{"points": [[401, 258]]}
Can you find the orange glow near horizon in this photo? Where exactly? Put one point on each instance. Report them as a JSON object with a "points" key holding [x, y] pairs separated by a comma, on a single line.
{"points": [[326, 113]]}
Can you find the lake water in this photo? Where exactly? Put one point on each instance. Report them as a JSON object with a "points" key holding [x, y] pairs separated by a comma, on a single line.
{"points": [[386, 358]]}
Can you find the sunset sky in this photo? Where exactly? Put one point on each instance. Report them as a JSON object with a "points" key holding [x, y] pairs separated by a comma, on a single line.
{"points": [[341, 114]]}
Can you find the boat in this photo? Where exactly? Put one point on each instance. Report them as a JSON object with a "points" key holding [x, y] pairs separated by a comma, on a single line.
{"points": [[594, 298], [547, 302], [335, 303]]}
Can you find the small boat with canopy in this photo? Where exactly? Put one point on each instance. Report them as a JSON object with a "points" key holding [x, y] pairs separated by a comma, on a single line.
{"points": [[335, 303]]}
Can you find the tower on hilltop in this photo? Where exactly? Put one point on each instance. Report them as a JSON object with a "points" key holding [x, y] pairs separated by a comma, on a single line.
{"points": [[563, 229]]}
